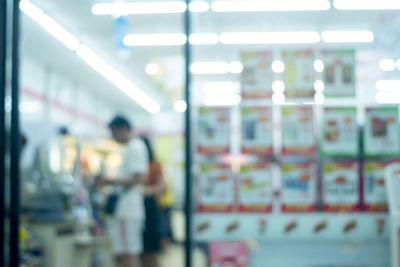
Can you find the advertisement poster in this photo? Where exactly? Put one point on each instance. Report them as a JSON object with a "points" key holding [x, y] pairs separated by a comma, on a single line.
{"points": [[257, 128], [214, 130], [216, 188], [299, 187], [375, 198], [341, 186], [299, 76], [298, 130], [339, 74], [381, 133], [229, 254], [255, 188], [339, 132], [257, 75]]}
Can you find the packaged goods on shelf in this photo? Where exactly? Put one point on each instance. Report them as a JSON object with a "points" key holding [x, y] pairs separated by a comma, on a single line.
{"points": [[255, 192], [214, 130], [299, 187], [257, 129], [215, 188], [339, 132]]}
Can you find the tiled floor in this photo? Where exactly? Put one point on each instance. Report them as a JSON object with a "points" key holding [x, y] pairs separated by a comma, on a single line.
{"points": [[174, 257]]}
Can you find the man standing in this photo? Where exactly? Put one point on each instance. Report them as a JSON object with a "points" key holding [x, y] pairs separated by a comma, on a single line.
{"points": [[128, 220]]}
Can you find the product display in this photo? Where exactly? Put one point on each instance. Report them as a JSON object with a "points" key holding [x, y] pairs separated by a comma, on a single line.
{"points": [[257, 75], [298, 130], [299, 76], [339, 132], [257, 128], [341, 186], [229, 254], [299, 187], [339, 74], [255, 188], [375, 198], [381, 133], [214, 132], [216, 188]]}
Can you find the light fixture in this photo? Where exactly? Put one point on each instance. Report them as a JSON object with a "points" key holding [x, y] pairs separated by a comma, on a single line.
{"points": [[221, 100], [119, 80], [367, 4], [319, 98], [271, 5], [278, 66], [51, 26], [278, 87], [152, 69], [212, 67], [347, 36], [269, 37], [203, 38], [319, 86], [319, 65], [120, 8], [158, 39], [30, 107], [221, 88], [385, 98], [387, 64], [199, 6], [236, 67], [278, 98], [388, 86], [180, 106], [93, 60]]}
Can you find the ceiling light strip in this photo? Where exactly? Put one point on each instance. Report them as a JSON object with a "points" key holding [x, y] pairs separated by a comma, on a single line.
{"points": [[272, 5], [120, 8], [367, 4], [91, 58]]}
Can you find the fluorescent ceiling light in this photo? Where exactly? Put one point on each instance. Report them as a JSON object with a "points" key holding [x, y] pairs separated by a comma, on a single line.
{"points": [[30, 107], [199, 6], [387, 64], [152, 69], [236, 67], [215, 67], [159, 39], [319, 65], [269, 37], [319, 86], [222, 100], [278, 66], [204, 38], [93, 60], [319, 98], [278, 87], [347, 36], [180, 106], [119, 80], [47, 23], [367, 4], [120, 8], [278, 98], [388, 86], [221, 88], [384, 98], [271, 5]]}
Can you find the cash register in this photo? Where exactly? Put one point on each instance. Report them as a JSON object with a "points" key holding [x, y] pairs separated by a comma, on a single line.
{"points": [[392, 176]]}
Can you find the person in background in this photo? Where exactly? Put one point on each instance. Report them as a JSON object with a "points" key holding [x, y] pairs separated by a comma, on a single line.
{"points": [[127, 224], [154, 185]]}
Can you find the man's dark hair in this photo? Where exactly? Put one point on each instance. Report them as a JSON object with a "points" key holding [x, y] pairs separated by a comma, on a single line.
{"points": [[119, 121]]}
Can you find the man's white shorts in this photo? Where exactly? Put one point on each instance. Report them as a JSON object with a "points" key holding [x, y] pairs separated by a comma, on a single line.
{"points": [[126, 236]]}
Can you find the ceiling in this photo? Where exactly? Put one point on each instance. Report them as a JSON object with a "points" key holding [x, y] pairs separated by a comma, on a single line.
{"points": [[98, 33]]}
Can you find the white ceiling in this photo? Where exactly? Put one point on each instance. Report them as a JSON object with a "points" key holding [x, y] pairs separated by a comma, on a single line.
{"points": [[98, 32]]}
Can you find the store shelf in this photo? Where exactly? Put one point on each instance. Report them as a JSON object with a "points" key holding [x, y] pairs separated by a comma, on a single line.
{"points": [[349, 226]]}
